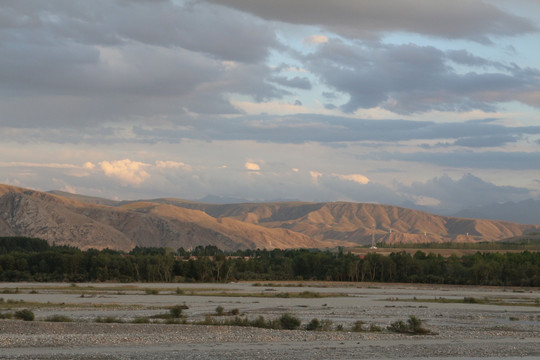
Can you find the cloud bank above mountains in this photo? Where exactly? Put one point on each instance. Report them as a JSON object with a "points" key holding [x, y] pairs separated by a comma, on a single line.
{"points": [[429, 103]]}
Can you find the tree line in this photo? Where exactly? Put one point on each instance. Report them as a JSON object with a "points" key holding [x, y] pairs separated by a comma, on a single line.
{"points": [[24, 259]]}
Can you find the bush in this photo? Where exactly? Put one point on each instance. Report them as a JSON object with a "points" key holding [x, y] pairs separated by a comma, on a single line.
{"points": [[58, 318], [399, 327], [313, 325], [289, 322], [25, 315], [176, 311], [357, 326], [220, 310], [413, 326], [109, 319]]}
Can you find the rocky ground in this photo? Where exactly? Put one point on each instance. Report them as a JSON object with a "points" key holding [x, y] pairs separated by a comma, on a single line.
{"points": [[462, 331]]}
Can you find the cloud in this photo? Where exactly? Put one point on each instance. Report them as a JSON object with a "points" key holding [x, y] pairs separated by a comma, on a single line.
{"points": [[128, 172], [88, 165], [315, 175], [408, 79], [78, 66], [296, 82], [172, 165], [358, 178], [252, 166], [467, 159], [461, 19], [468, 191], [315, 39]]}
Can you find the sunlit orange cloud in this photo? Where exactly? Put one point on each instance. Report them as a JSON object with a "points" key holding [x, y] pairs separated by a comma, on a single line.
{"points": [[252, 166]]}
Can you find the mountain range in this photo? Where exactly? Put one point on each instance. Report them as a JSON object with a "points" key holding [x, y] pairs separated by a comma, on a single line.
{"points": [[90, 222]]}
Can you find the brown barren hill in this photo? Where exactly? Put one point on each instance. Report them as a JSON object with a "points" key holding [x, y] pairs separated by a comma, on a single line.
{"points": [[88, 222]]}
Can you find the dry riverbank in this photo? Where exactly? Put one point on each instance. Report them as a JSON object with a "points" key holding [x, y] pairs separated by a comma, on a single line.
{"points": [[505, 326]]}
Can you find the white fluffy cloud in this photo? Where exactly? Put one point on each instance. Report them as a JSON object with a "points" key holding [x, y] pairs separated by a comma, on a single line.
{"points": [[128, 172]]}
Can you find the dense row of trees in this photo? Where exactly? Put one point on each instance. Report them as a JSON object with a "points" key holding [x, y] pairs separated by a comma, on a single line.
{"points": [[24, 259]]}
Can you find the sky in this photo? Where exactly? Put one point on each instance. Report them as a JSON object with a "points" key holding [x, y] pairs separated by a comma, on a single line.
{"points": [[418, 103]]}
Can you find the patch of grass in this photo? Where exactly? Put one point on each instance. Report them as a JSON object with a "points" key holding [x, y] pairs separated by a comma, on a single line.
{"points": [[473, 300], [151, 291], [309, 294], [141, 320], [10, 291], [4, 315]]}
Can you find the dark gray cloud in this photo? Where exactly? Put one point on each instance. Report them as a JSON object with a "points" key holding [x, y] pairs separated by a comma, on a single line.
{"points": [[68, 63], [410, 79], [192, 25], [303, 128], [460, 19], [486, 141]]}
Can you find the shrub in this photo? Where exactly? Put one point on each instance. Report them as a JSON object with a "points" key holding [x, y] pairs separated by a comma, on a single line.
{"points": [[289, 322], [176, 311], [25, 315], [399, 327], [179, 291], [357, 326], [220, 310], [413, 326], [151, 291], [235, 312], [314, 324], [109, 319], [260, 322], [58, 318]]}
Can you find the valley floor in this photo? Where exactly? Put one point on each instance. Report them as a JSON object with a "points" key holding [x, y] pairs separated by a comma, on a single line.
{"points": [[468, 322]]}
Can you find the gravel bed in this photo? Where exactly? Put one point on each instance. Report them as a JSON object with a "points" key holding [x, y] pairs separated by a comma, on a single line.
{"points": [[41, 340], [463, 331]]}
